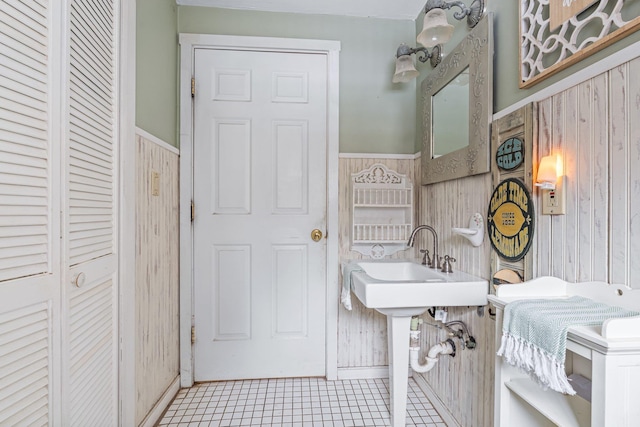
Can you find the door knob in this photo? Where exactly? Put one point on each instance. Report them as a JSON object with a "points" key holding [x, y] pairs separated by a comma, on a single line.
{"points": [[79, 279], [316, 235]]}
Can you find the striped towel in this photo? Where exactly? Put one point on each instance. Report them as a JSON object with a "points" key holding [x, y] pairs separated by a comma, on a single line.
{"points": [[534, 335]]}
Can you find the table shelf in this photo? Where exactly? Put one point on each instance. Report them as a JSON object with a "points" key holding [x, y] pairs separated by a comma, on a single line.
{"points": [[560, 409], [602, 360]]}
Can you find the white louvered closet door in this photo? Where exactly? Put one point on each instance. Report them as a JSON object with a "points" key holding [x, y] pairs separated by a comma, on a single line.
{"points": [[58, 302], [30, 272], [90, 363]]}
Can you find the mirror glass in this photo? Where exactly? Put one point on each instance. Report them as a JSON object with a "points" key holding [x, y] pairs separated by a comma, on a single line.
{"points": [[450, 109], [457, 99]]}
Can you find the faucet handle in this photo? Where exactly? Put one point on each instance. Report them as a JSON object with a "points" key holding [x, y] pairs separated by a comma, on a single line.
{"points": [[446, 265], [425, 259]]}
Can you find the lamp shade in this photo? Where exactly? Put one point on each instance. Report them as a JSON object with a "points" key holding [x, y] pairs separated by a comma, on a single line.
{"points": [[405, 70], [547, 172], [435, 28]]}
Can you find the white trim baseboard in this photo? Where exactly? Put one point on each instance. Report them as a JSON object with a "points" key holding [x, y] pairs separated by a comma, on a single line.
{"points": [[379, 156], [152, 138], [437, 404], [363, 373], [162, 404]]}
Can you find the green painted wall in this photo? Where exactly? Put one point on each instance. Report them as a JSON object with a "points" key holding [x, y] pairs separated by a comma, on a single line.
{"points": [[157, 68], [376, 116]]}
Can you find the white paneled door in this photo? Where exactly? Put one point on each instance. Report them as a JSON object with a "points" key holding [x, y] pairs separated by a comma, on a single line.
{"points": [[260, 137]]}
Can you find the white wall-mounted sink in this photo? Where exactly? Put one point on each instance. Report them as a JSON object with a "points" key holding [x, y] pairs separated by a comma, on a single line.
{"points": [[406, 288], [400, 289]]}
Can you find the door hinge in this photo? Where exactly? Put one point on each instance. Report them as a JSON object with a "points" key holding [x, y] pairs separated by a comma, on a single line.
{"points": [[193, 211], [193, 335], [193, 87]]}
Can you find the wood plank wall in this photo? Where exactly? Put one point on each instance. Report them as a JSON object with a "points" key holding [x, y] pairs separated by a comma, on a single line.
{"points": [[595, 127], [362, 332], [463, 383], [157, 245]]}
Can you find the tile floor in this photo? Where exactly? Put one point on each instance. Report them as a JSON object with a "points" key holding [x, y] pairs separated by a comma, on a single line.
{"points": [[304, 402]]}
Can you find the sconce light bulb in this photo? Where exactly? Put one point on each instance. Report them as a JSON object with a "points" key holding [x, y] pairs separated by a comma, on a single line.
{"points": [[559, 171], [548, 172]]}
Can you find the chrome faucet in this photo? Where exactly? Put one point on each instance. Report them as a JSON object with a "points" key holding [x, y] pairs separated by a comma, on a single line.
{"points": [[435, 259]]}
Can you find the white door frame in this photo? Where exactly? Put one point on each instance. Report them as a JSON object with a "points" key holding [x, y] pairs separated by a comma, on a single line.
{"points": [[127, 214], [188, 44]]}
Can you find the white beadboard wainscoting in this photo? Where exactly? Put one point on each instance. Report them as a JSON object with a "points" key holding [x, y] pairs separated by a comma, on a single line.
{"points": [[595, 127], [362, 332], [157, 245], [464, 383]]}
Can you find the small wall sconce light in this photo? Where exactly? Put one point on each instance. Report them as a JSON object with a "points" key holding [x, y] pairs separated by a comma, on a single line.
{"points": [[405, 68], [550, 180], [436, 29], [547, 173]]}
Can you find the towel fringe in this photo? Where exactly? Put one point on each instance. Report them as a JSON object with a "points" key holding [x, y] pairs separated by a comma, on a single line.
{"points": [[542, 367]]}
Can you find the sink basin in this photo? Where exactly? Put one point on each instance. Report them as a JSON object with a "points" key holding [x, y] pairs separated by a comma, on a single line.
{"points": [[405, 271], [407, 288], [400, 289]]}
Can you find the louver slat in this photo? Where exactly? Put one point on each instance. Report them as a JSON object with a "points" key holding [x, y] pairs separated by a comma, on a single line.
{"points": [[24, 366], [91, 364], [24, 128], [91, 131]]}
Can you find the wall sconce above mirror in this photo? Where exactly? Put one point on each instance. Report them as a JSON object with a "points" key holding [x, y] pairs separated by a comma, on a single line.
{"points": [[405, 68], [436, 28], [458, 104], [435, 32]]}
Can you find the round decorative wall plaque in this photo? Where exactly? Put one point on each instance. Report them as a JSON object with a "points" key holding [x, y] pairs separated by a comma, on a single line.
{"points": [[510, 219]]}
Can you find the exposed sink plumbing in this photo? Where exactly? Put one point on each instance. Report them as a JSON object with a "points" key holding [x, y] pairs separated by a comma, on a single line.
{"points": [[444, 347], [462, 334]]}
